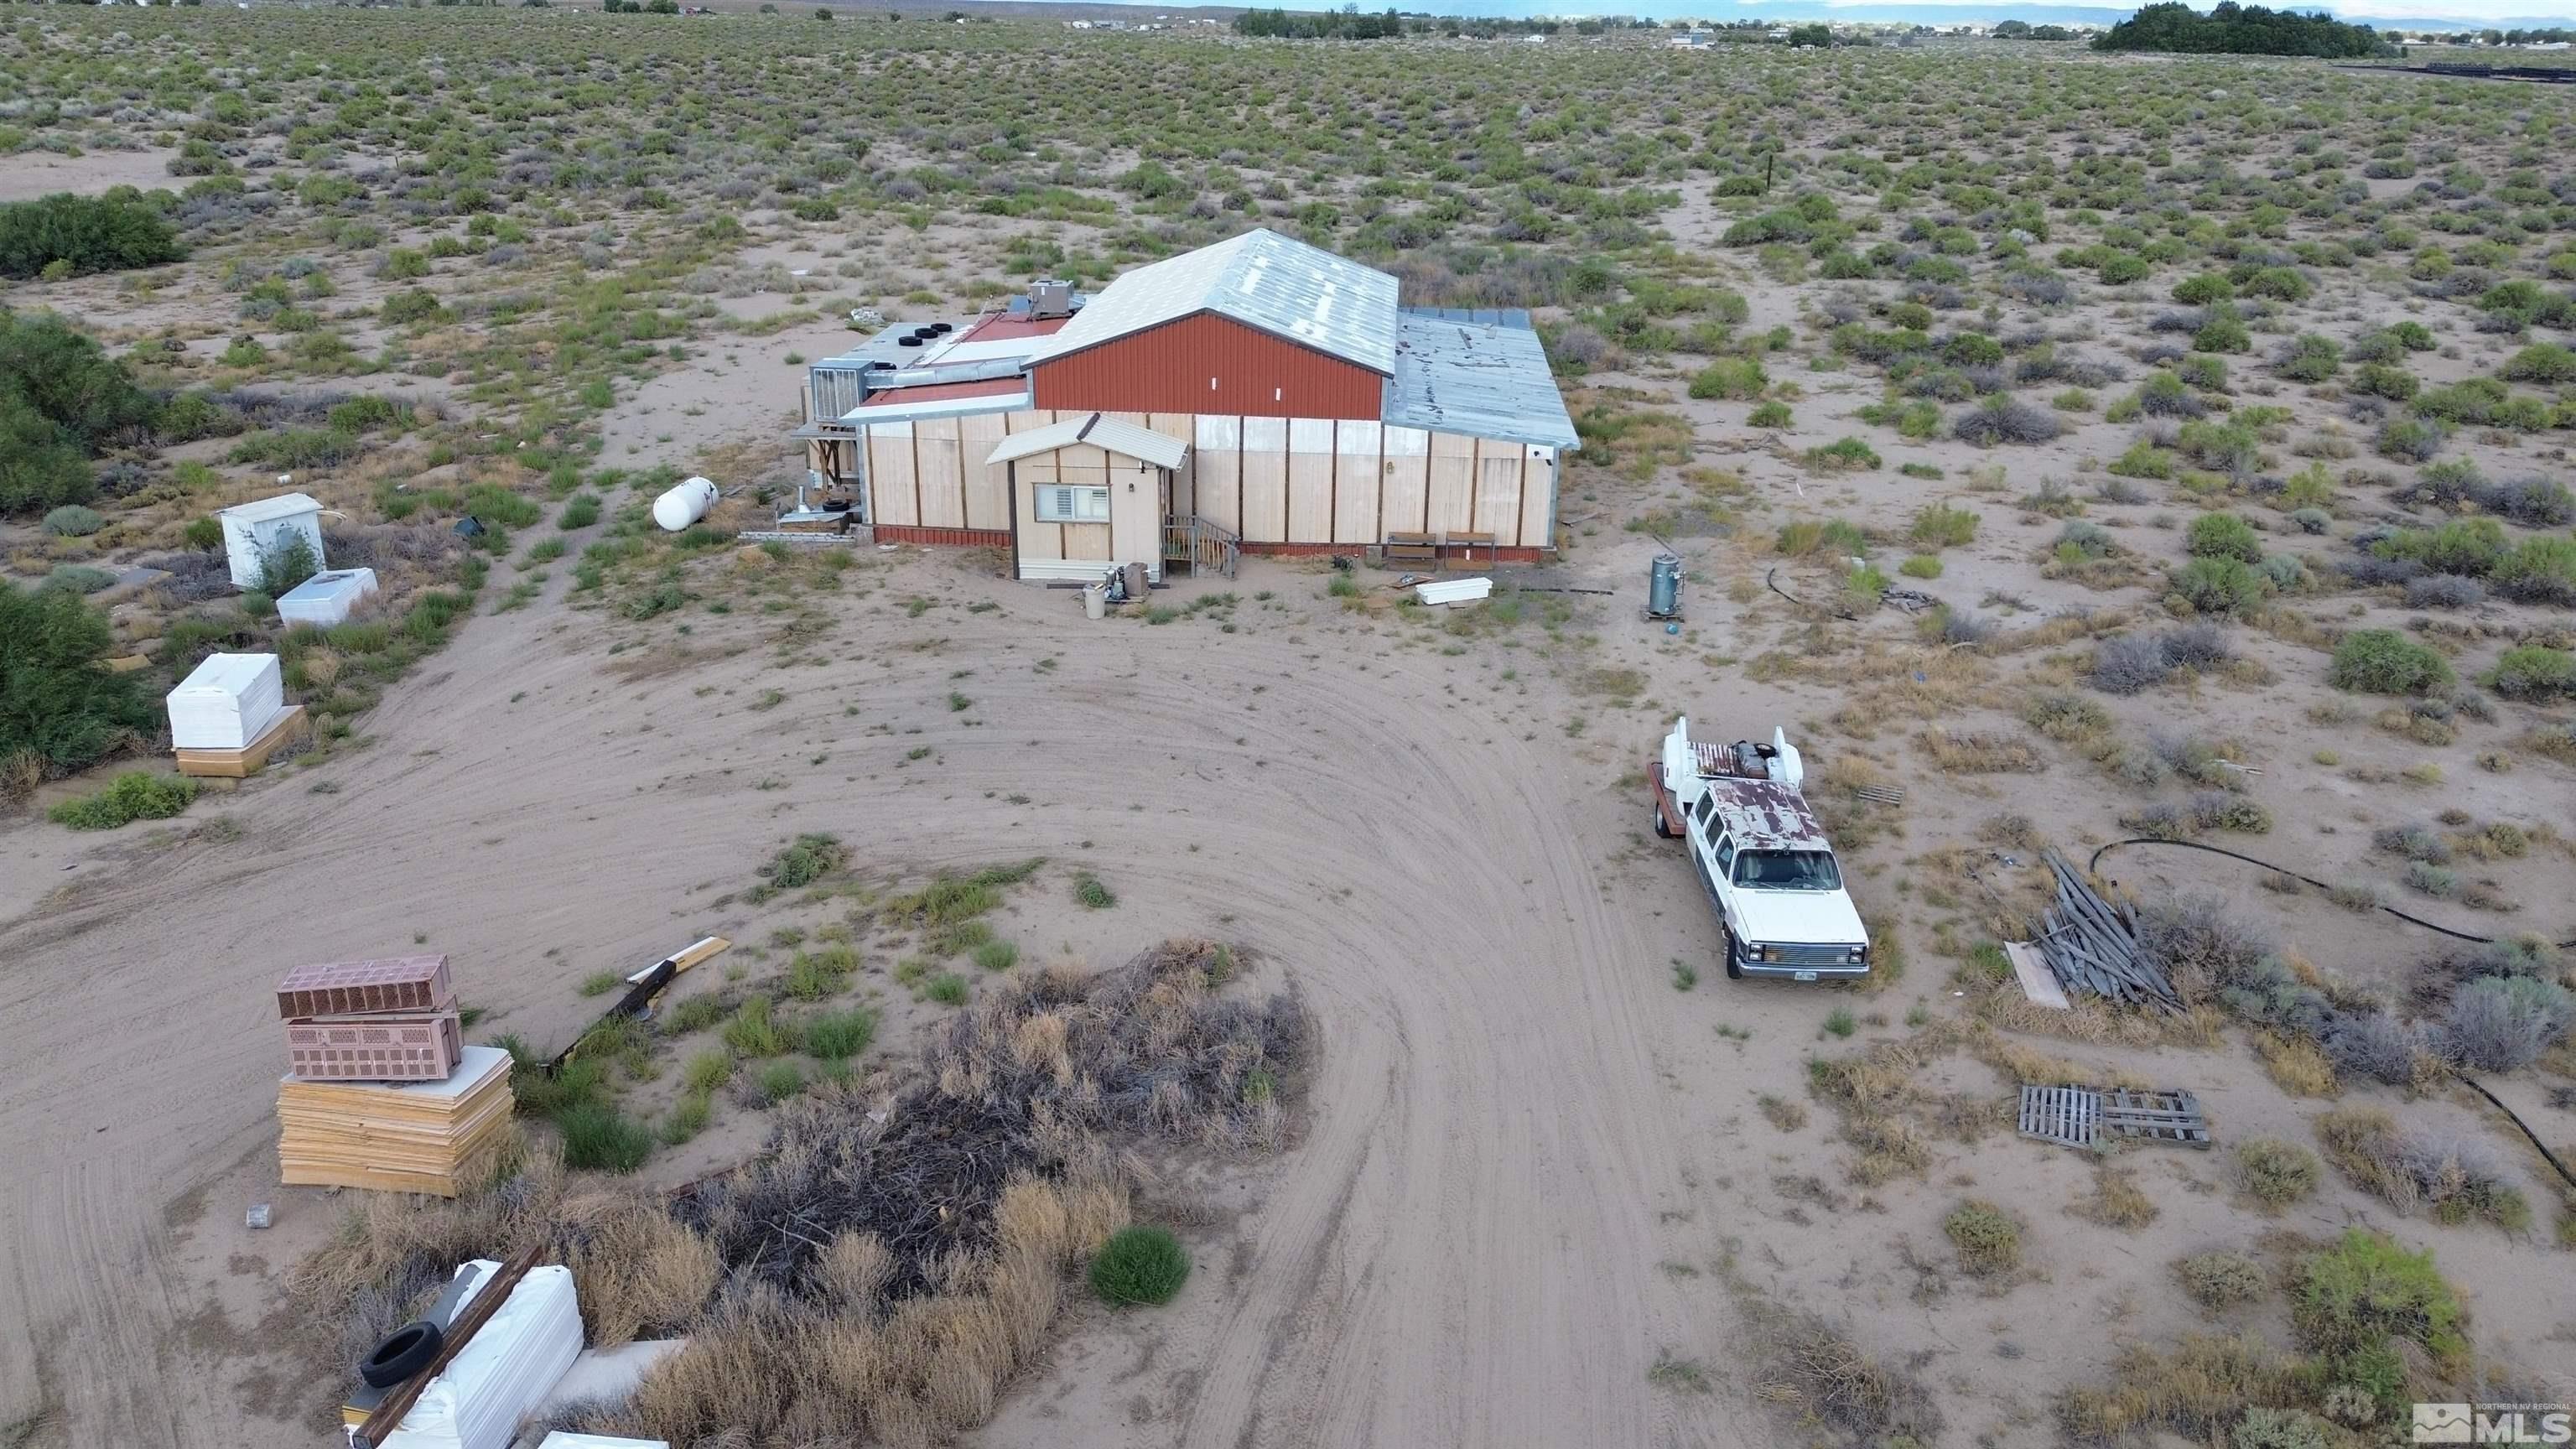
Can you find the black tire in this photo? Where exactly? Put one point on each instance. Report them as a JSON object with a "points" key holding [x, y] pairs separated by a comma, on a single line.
{"points": [[1662, 831], [406, 1352], [1726, 940]]}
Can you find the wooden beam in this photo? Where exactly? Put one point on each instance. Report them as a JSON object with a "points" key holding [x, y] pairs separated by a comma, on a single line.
{"points": [[469, 1321]]}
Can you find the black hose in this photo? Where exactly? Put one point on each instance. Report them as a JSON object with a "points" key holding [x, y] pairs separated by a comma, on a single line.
{"points": [[2096, 861], [2510, 1115], [1769, 578]]}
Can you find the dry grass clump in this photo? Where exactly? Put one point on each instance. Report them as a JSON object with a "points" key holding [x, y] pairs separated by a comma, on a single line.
{"points": [[1986, 1238], [2198, 1390], [2455, 1180], [2275, 1173], [1960, 753], [2298, 1065], [2219, 1281], [1811, 1366], [2116, 1200], [635, 1271]]}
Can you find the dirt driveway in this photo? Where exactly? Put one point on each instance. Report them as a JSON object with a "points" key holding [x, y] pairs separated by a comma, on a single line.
{"points": [[1463, 1250]]}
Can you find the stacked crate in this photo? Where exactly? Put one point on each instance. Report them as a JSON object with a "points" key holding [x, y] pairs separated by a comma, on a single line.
{"points": [[382, 1091], [392, 1020]]}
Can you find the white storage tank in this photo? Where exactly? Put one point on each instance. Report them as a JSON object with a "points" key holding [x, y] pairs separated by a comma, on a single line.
{"points": [[684, 505], [327, 597], [252, 530], [226, 702]]}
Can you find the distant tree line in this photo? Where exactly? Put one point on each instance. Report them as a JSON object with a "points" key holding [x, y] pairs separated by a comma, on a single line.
{"points": [[2232, 29], [1347, 23], [2024, 30], [64, 235]]}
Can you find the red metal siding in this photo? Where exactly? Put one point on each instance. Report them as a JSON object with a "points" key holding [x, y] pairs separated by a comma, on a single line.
{"points": [[1168, 369]]}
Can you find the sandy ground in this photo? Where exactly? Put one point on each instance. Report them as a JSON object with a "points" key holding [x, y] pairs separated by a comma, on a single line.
{"points": [[1523, 1161], [25, 175]]}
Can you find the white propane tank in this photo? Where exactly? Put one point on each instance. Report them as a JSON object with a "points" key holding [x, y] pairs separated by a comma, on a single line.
{"points": [[684, 505]]}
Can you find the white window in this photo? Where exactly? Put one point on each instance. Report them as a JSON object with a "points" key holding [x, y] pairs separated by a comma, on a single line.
{"points": [[1065, 503]]}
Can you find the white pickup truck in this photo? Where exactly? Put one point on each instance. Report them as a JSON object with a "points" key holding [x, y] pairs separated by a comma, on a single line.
{"points": [[1761, 855]]}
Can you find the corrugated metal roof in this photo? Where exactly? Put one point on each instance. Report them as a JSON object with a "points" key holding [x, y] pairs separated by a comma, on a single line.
{"points": [[1481, 379], [1123, 438], [1261, 279]]}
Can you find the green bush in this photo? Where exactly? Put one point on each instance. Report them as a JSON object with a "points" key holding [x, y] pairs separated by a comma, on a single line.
{"points": [[838, 1036], [1938, 525], [74, 521], [599, 1138], [2263, 1428], [780, 1081], [58, 702], [1088, 889], [78, 578], [2202, 290], [2538, 571], [287, 562], [806, 861], [2357, 1295], [2383, 661], [134, 795], [89, 233], [2542, 362], [1139, 1265], [2275, 1173], [2535, 672], [61, 398], [1738, 378], [2223, 535], [2219, 586], [754, 1031]]}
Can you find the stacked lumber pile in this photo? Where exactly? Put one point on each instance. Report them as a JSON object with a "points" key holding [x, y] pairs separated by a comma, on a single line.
{"points": [[2091, 945], [434, 1137]]}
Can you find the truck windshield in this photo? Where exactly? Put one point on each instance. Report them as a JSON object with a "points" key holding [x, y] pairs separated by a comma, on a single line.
{"points": [[1788, 870]]}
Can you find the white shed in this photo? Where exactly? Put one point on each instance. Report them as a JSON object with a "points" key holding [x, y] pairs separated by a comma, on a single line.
{"points": [[252, 530]]}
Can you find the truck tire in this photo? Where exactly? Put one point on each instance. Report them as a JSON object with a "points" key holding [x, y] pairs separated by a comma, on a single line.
{"points": [[1662, 831], [405, 1353], [1726, 938]]}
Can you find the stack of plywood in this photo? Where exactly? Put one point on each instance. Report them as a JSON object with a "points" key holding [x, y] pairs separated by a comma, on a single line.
{"points": [[435, 1137]]}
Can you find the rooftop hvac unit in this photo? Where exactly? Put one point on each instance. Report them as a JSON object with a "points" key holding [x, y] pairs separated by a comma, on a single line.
{"points": [[1050, 299]]}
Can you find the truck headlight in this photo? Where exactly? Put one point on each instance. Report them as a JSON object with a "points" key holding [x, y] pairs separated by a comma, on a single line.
{"points": [[1766, 953], [1859, 954]]}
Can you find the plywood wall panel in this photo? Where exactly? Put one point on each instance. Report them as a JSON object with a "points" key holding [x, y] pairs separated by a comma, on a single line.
{"points": [[891, 485], [987, 503], [1265, 480], [1405, 502], [1498, 491], [937, 453], [1359, 479], [1453, 482]]}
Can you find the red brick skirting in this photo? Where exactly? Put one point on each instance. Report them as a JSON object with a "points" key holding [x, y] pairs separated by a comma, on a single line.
{"points": [[946, 537]]}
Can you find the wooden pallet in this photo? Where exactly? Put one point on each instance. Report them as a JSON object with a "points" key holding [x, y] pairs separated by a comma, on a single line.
{"points": [[241, 764], [2071, 1116], [2085, 1116], [2173, 1117]]}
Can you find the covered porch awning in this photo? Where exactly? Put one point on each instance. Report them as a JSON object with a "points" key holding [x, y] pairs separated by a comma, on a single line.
{"points": [[1106, 433]]}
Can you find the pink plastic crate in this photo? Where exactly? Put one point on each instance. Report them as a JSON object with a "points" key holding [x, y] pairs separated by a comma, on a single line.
{"points": [[413, 984], [375, 1048]]}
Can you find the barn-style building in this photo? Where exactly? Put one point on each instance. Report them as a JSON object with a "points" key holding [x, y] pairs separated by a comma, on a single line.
{"points": [[1259, 394]]}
